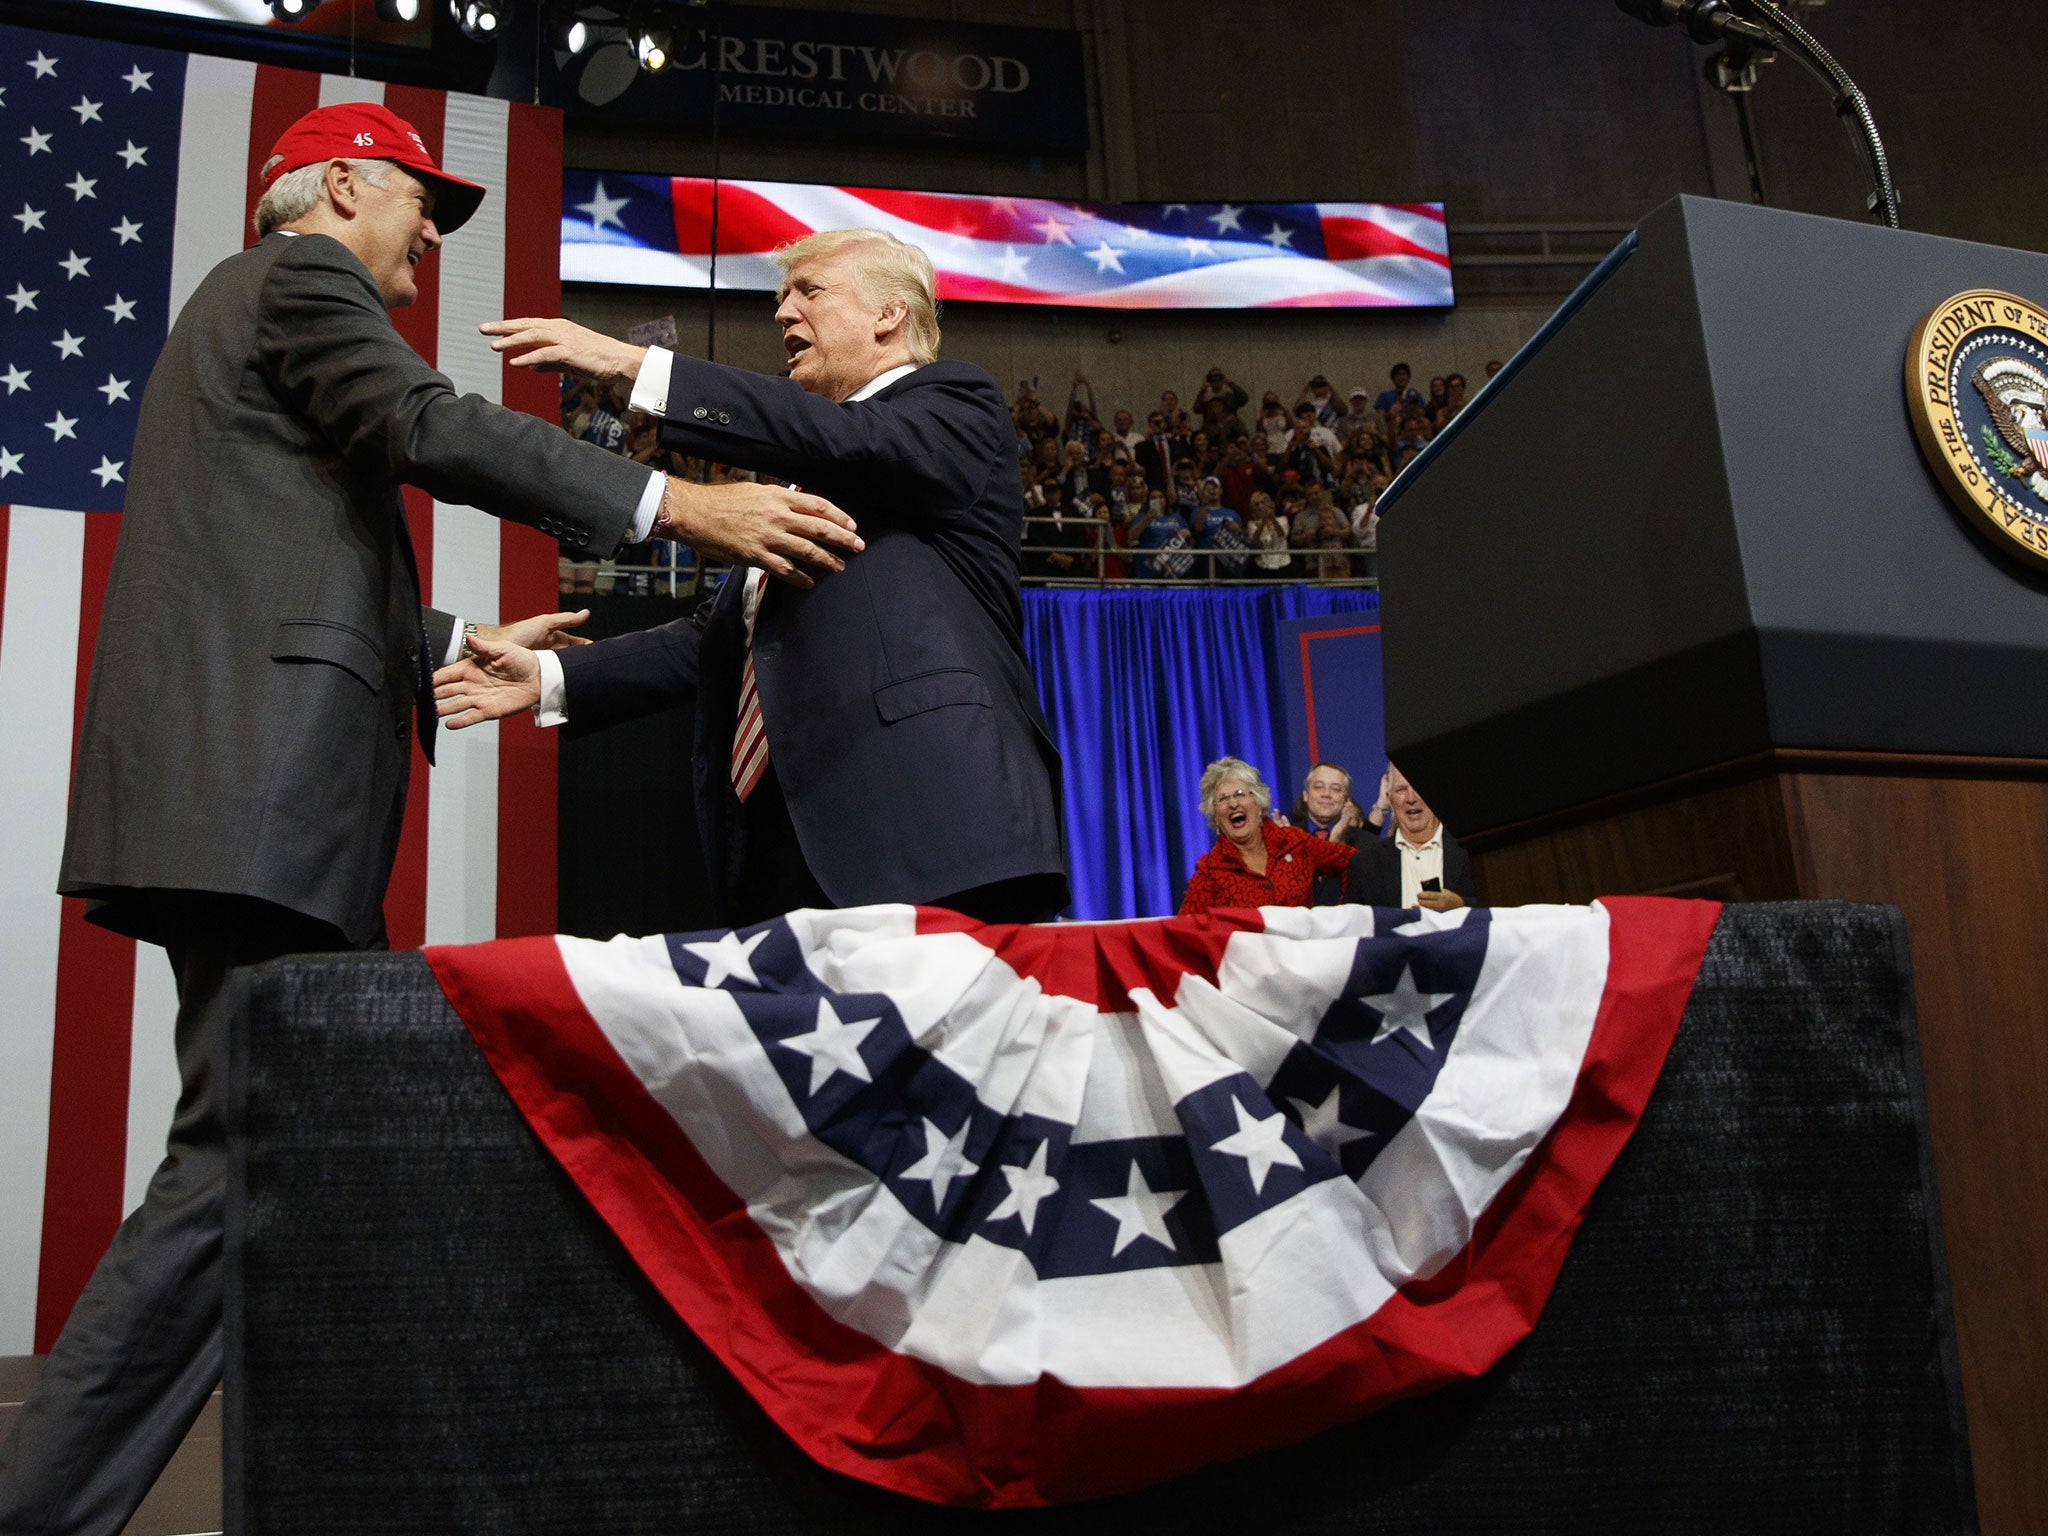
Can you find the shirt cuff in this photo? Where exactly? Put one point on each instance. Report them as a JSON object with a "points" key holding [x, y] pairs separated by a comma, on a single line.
{"points": [[454, 652], [552, 707], [650, 385], [650, 506]]}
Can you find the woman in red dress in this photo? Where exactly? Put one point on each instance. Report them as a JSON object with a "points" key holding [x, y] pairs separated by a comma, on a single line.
{"points": [[1255, 863]]}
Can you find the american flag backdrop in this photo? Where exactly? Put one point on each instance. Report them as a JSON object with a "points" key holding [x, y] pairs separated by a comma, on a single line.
{"points": [[129, 173], [1003, 1216], [656, 230]]}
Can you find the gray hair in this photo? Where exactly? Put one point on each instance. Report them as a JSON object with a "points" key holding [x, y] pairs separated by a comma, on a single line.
{"points": [[887, 270], [1222, 771], [292, 196]]}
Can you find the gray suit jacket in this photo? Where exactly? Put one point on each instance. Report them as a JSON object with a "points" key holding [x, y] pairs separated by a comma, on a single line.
{"points": [[262, 649]]}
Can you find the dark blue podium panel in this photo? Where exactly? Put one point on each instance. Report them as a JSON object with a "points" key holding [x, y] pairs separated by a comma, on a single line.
{"points": [[1692, 523]]}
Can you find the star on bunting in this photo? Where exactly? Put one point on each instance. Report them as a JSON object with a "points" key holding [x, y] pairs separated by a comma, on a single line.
{"points": [[88, 111], [729, 955], [1107, 258], [114, 389], [109, 471], [133, 153], [1406, 1008], [1261, 1143], [23, 298], [37, 141], [138, 79], [1140, 1211], [1325, 1125], [42, 64], [1277, 237], [60, 427], [128, 230], [81, 187], [30, 218], [69, 345], [75, 264], [10, 464], [944, 1160], [121, 309], [17, 378], [1030, 1185], [833, 1046], [1055, 231], [1226, 218]]}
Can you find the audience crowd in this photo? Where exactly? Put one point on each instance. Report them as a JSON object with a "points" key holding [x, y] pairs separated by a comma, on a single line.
{"points": [[1216, 489]]}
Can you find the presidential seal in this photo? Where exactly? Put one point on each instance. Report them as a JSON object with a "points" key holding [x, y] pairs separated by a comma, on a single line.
{"points": [[1977, 390]]}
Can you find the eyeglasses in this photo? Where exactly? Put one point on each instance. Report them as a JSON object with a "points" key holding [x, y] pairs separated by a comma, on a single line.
{"points": [[1234, 796]]}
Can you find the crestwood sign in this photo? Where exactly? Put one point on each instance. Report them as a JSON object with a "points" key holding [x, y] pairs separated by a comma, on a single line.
{"points": [[817, 74]]}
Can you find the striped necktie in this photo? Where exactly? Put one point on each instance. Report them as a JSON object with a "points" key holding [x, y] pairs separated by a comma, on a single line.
{"points": [[750, 738]]}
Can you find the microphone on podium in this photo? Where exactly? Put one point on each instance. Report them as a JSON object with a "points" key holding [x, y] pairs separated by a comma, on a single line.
{"points": [[1705, 21]]}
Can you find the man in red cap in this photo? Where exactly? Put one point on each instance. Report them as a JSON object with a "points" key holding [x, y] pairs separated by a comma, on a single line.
{"points": [[263, 663]]}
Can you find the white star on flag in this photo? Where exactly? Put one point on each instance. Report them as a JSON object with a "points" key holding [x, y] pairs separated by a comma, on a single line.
{"points": [[1277, 237], [603, 210], [138, 79], [1325, 1125], [42, 64], [60, 427], [1406, 1008], [1029, 1186], [109, 471], [1012, 265], [114, 389], [1134, 234], [1168, 211], [833, 1046], [75, 264], [1140, 1211], [10, 463], [23, 297], [1261, 1143], [37, 141], [944, 1160], [121, 309], [128, 230], [88, 111], [1226, 218], [133, 153], [1055, 230], [729, 955], [31, 218], [69, 345], [81, 187], [1198, 248], [17, 378], [1106, 258]]}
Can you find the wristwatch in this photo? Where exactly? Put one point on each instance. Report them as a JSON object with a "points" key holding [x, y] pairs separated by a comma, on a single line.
{"points": [[467, 651]]}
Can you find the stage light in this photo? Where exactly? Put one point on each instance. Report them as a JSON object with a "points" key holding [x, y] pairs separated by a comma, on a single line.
{"points": [[478, 19], [653, 33], [398, 10], [293, 11], [567, 31]]}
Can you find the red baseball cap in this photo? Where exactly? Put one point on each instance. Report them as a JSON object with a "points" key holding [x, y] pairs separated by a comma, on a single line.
{"points": [[367, 130]]}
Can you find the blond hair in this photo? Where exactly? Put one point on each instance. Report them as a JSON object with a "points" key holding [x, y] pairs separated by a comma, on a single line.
{"points": [[886, 270]]}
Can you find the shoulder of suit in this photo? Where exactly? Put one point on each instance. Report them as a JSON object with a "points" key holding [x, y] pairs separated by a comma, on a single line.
{"points": [[319, 253], [945, 372]]}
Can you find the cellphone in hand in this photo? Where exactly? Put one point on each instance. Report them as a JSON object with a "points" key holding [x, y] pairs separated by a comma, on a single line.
{"points": [[1432, 884]]}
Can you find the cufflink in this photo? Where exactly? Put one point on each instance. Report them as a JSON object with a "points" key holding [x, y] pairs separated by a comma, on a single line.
{"points": [[661, 407]]}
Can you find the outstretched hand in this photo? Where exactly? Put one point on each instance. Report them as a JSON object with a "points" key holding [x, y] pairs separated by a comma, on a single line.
{"points": [[542, 632], [777, 527], [556, 345], [497, 679]]}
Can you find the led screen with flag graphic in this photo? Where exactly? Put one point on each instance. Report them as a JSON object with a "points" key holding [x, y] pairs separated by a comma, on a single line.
{"points": [[656, 231], [129, 173]]}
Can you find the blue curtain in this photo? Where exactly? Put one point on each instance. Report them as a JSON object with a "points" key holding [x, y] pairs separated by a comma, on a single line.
{"points": [[1144, 689]]}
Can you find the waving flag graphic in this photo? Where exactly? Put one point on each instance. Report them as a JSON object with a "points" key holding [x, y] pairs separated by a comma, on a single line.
{"points": [[1005, 1216], [656, 230]]}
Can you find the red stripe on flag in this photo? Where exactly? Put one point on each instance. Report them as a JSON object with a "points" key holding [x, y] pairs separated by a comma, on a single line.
{"points": [[88, 1146], [1420, 210], [405, 897], [748, 223], [527, 571], [858, 1407], [1362, 239], [282, 97]]}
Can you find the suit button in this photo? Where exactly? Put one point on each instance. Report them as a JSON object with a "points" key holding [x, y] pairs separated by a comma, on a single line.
{"points": [[700, 413], [582, 537], [412, 653], [724, 420], [402, 732]]}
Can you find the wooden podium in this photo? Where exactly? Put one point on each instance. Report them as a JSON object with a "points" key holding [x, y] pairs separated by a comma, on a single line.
{"points": [[1677, 607]]}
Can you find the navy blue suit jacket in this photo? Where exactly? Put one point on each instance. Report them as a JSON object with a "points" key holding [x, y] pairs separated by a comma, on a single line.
{"points": [[903, 723]]}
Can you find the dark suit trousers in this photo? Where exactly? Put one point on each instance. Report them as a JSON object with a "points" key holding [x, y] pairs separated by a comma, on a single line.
{"points": [[141, 1352]]}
